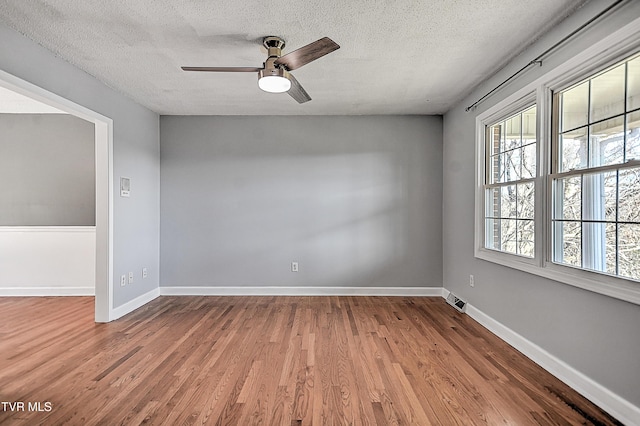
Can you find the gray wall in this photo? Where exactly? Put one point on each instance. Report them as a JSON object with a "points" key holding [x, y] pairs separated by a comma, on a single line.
{"points": [[357, 201], [135, 154], [47, 170], [595, 334]]}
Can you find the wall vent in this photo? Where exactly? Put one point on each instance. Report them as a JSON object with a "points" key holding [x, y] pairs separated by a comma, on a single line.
{"points": [[456, 302]]}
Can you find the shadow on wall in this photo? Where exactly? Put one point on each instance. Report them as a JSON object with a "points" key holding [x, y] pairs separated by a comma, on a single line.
{"points": [[344, 218]]}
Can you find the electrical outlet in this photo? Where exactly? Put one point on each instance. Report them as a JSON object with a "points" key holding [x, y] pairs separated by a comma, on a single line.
{"points": [[144, 273], [471, 281], [123, 280], [130, 277], [294, 266]]}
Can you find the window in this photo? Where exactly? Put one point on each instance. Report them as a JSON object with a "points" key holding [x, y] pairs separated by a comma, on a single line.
{"points": [[510, 147], [558, 172], [596, 172]]}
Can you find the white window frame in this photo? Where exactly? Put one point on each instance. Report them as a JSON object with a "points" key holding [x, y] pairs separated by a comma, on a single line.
{"points": [[606, 52], [483, 122]]}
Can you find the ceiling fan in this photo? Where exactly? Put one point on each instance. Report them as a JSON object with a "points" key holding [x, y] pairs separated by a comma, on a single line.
{"points": [[274, 76]]}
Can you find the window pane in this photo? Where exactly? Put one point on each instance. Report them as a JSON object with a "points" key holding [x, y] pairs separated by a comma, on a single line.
{"points": [[492, 233], [501, 142], [573, 150], [594, 246], [529, 161], [571, 243], [492, 208], [629, 195], [529, 126], [508, 201], [495, 169], [556, 239], [629, 251], [610, 202], [495, 136], [510, 163], [611, 248], [575, 107], [508, 235], [633, 136], [599, 196], [607, 94], [633, 84], [512, 132], [607, 142], [568, 198], [525, 202], [526, 237], [557, 189], [500, 172]]}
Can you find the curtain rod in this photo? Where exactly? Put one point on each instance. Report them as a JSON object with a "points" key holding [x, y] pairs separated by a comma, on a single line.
{"points": [[538, 59]]}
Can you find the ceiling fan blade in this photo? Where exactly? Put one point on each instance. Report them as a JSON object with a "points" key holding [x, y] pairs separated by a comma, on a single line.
{"points": [[222, 69], [308, 53], [297, 92]]}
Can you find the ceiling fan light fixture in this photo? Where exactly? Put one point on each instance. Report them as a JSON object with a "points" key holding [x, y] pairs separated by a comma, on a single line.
{"points": [[274, 80], [274, 75]]}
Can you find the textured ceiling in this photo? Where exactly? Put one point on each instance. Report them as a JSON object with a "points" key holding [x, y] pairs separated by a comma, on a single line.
{"points": [[396, 57]]}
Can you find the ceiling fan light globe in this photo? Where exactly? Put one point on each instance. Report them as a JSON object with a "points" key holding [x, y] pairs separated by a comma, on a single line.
{"points": [[274, 84]]}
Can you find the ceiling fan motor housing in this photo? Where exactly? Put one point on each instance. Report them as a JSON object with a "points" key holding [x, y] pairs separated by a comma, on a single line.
{"points": [[273, 72], [274, 46]]}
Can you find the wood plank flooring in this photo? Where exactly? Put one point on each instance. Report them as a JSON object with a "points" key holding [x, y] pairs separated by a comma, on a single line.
{"points": [[271, 361]]}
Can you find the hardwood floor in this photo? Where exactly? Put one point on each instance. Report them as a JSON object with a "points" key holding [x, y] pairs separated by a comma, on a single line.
{"points": [[272, 361]]}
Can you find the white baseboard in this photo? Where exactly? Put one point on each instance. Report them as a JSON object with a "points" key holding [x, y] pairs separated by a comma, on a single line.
{"points": [[612, 403], [134, 304], [47, 291], [302, 291]]}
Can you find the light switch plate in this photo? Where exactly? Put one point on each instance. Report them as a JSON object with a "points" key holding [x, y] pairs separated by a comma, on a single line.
{"points": [[125, 186]]}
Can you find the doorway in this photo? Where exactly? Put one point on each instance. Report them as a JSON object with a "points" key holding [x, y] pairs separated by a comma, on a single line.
{"points": [[103, 185]]}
